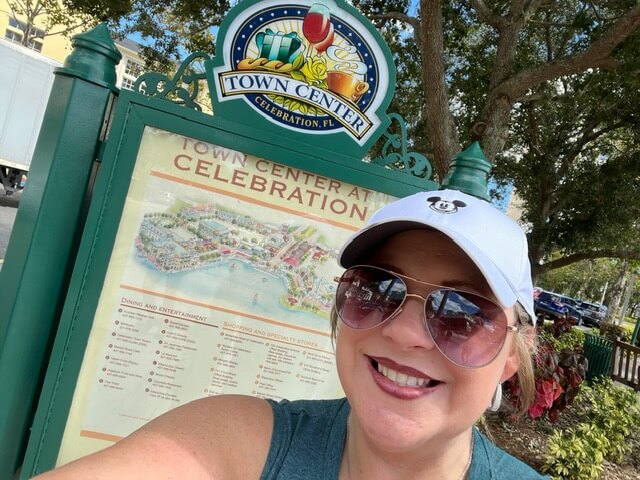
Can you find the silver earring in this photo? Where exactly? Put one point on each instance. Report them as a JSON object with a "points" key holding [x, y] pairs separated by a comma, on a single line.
{"points": [[497, 399]]}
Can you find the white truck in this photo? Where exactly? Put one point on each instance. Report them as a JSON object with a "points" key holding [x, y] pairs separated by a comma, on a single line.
{"points": [[26, 78]]}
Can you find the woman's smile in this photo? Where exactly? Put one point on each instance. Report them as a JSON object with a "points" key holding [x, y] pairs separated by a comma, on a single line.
{"points": [[401, 381]]}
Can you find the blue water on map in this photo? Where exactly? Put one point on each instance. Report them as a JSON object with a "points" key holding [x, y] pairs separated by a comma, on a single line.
{"points": [[232, 284]]}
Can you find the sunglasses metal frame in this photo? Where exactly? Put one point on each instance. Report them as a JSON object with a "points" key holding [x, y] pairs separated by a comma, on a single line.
{"points": [[398, 310]]}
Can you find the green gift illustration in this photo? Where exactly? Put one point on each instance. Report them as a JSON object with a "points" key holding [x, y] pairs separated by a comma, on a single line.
{"points": [[279, 46]]}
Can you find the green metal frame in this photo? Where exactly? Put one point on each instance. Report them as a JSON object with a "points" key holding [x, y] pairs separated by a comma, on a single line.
{"points": [[47, 231], [133, 113]]}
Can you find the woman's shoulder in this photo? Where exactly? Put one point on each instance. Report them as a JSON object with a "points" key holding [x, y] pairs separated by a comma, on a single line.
{"points": [[223, 432], [491, 462]]}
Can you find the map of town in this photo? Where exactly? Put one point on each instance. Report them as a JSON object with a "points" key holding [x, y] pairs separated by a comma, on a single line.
{"points": [[196, 236]]}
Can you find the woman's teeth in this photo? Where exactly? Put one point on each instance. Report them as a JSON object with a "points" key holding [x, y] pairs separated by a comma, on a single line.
{"points": [[402, 379]]}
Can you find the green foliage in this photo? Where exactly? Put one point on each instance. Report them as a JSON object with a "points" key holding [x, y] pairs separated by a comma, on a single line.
{"points": [[612, 332], [613, 409], [571, 340], [51, 14], [575, 454], [583, 280], [575, 142], [608, 414], [171, 28], [102, 10]]}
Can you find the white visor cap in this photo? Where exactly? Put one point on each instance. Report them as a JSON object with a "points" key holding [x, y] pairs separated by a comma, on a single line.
{"points": [[493, 241]]}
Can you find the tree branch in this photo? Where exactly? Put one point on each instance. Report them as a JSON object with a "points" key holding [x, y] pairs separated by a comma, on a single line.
{"points": [[576, 257], [69, 29], [486, 15], [552, 24], [598, 55], [594, 134], [588, 135], [401, 17]]}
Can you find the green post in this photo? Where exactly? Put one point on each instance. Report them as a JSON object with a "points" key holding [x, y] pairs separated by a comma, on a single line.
{"points": [[636, 333], [47, 228], [469, 172]]}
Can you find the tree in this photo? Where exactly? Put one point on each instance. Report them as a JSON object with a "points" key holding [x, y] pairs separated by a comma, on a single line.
{"points": [[49, 13], [480, 58], [587, 280], [610, 281], [629, 290], [616, 294], [554, 84], [471, 62], [171, 29], [575, 161]]}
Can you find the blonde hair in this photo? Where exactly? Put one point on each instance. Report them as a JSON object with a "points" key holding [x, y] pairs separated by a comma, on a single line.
{"points": [[526, 347]]}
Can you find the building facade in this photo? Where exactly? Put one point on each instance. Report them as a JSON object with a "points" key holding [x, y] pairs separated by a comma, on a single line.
{"points": [[13, 28]]}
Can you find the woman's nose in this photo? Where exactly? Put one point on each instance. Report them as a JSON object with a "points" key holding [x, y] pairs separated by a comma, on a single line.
{"points": [[406, 328]]}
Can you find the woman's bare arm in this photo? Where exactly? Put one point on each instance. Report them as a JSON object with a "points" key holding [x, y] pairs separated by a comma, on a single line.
{"points": [[224, 437]]}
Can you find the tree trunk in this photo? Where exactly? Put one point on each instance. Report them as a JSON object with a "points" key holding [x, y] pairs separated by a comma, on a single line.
{"points": [[616, 295], [536, 253], [441, 128], [496, 115], [627, 296]]}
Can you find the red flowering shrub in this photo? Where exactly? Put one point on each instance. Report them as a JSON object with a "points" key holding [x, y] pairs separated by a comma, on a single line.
{"points": [[547, 391], [558, 379], [562, 325]]}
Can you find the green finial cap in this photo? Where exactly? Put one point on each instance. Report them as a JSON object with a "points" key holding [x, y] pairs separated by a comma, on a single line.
{"points": [[94, 57], [469, 172]]}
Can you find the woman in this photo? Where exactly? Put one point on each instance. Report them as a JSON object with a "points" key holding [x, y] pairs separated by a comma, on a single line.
{"points": [[433, 313]]}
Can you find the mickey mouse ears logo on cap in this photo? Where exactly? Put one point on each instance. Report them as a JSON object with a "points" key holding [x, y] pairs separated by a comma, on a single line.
{"points": [[445, 206]]}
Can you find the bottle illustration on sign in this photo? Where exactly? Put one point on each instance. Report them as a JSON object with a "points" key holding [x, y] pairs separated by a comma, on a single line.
{"points": [[311, 52]]}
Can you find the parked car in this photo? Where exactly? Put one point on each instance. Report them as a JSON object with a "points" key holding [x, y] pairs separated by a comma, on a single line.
{"points": [[548, 304], [573, 305], [592, 313], [554, 305]]}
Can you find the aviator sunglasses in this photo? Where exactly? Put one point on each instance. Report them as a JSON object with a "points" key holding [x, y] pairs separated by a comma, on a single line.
{"points": [[466, 328]]}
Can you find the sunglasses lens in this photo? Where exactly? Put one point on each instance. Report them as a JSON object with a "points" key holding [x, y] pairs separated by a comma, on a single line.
{"points": [[367, 296], [468, 329]]}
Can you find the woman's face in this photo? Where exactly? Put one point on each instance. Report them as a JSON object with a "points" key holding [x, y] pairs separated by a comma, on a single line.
{"points": [[398, 417]]}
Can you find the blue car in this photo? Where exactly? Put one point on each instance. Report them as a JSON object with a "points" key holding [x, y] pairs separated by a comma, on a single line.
{"points": [[553, 305]]}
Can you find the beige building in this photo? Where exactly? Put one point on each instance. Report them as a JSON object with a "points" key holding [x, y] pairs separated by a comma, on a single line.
{"points": [[514, 208], [57, 47]]}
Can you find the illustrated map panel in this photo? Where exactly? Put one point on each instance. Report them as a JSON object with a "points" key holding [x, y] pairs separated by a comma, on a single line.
{"points": [[221, 280]]}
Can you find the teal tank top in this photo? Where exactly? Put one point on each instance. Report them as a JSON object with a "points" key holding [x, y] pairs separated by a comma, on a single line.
{"points": [[309, 435]]}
